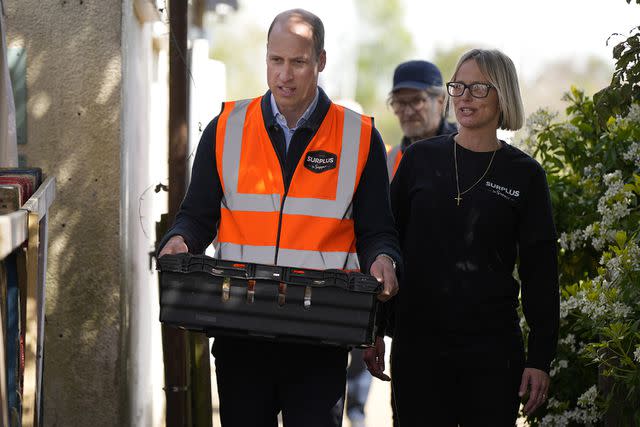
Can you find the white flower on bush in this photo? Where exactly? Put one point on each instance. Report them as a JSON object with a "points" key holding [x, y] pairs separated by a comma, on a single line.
{"points": [[634, 113], [594, 309], [621, 310], [598, 243], [633, 258], [585, 413], [567, 305], [594, 171], [614, 266], [596, 305], [630, 119], [572, 241], [603, 237], [570, 341], [613, 212], [564, 241], [588, 398], [633, 153], [555, 420], [557, 366], [589, 231], [636, 354], [541, 119], [570, 127], [553, 403], [614, 203], [613, 180]]}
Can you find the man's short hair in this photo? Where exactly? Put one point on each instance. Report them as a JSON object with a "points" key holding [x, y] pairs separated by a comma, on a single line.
{"points": [[317, 27], [501, 72]]}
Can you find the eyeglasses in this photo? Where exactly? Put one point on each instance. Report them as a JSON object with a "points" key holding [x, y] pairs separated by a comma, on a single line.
{"points": [[477, 90], [399, 105]]}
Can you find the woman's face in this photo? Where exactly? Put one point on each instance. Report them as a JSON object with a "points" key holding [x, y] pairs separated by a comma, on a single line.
{"points": [[471, 112]]}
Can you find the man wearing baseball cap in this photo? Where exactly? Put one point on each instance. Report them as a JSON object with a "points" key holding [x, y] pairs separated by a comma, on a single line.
{"points": [[417, 99]]}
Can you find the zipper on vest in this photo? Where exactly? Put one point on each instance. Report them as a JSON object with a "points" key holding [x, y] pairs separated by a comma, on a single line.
{"points": [[279, 130], [284, 196]]}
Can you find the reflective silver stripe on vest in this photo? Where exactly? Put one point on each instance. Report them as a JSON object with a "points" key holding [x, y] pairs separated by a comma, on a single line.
{"points": [[346, 177], [231, 166], [318, 260], [246, 253], [391, 159], [287, 257]]}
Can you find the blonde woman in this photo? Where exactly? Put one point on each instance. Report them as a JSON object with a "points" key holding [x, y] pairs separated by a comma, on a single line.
{"points": [[469, 208]]}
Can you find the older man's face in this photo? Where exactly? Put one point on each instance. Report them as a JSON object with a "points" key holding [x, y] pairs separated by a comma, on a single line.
{"points": [[418, 112]]}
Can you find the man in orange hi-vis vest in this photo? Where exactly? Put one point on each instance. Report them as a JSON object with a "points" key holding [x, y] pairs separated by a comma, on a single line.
{"points": [[289, 179], [417, 99]]}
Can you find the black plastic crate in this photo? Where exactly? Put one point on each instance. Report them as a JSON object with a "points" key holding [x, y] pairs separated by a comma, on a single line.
{"points": [[219, 297]]}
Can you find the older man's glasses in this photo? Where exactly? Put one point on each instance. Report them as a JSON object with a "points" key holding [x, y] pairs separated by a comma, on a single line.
{"points": [[477, 90], [400, 105]]}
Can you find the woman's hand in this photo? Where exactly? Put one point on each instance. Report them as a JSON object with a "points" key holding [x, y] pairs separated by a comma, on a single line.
{"points": [[374, 359], [537, 383]]}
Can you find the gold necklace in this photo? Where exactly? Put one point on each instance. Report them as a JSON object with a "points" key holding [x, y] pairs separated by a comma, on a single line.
{"points": [[458, 198]]}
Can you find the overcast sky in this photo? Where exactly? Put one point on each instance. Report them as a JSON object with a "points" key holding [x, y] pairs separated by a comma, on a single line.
{"points": [[531, 32]]}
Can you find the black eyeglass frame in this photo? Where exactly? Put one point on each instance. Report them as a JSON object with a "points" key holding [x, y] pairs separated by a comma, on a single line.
{"points": [[488, 86], [404, 104]]}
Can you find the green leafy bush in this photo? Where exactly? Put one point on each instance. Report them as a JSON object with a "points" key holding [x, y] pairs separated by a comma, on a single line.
{"points": [[592, 160]]}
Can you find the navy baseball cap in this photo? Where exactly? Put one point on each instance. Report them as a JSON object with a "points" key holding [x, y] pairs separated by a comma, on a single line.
{"points": [[416, 75]]}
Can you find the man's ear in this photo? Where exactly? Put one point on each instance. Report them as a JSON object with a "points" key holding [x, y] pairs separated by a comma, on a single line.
{"points": [[322, 60], [441, 100]]}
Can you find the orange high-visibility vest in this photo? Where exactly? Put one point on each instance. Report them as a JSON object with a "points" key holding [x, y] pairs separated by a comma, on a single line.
{"points": [[393, 160], [309, 226]]}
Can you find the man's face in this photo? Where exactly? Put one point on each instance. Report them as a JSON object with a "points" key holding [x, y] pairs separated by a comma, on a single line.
{"points": [[292, 66], [418, 112]]}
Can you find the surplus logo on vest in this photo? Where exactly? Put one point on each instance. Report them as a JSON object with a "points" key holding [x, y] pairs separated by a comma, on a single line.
{"points": [[507, 193], [320, 161]]}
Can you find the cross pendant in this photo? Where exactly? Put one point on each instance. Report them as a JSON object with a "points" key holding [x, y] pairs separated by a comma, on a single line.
{"points": [[457, 199]]}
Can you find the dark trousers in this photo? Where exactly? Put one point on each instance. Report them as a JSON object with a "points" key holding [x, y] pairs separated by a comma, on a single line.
{"points": [[454, 391], [258, 379]]}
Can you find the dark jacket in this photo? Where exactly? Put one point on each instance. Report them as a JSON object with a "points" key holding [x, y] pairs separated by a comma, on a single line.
{"points": [[386, 321], [445, 128]]}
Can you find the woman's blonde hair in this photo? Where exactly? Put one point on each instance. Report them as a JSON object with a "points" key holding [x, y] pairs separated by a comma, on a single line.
{"points": [[501, 72]]}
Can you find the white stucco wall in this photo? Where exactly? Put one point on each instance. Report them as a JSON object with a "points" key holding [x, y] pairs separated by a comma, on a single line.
{"points": [[143, 164]]}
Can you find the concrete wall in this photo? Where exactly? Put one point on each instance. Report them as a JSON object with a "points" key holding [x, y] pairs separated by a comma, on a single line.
{"points": [[91, 73], [74, 77]]}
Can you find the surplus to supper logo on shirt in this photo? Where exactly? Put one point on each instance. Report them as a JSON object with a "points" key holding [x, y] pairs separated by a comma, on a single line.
{"points": [[505, 192]]}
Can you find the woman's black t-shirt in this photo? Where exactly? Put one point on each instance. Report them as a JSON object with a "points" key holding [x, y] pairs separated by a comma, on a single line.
{"points": [[458, 286]]}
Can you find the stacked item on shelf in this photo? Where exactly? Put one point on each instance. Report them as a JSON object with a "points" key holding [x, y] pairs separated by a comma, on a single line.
{"points": [[17, 185]]}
